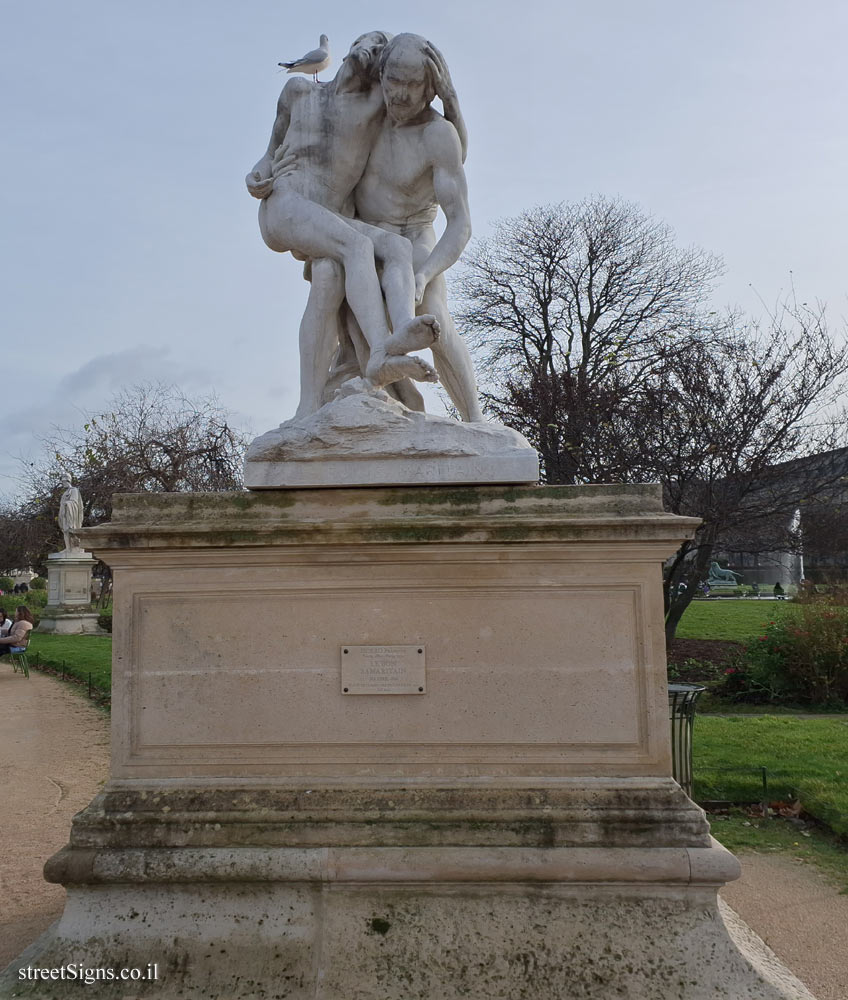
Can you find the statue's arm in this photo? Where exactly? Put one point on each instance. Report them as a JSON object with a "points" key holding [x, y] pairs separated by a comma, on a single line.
{"points": [[260, 180], [452, 195]]}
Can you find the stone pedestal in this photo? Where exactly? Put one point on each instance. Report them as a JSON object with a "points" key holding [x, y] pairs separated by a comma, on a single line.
{"points": [[68, 610], [508, 827]]}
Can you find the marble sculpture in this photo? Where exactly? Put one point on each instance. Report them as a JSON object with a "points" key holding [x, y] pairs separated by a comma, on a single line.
{"points": [[355, 170], [70, 515], [351, 182]]}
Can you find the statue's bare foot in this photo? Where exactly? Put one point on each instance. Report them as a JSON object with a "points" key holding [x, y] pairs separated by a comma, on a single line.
{"points": [[418, 333], [388, 370]]}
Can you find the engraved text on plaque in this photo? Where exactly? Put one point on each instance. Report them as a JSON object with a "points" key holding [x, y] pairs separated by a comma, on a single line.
{"points": [[383, 670]]}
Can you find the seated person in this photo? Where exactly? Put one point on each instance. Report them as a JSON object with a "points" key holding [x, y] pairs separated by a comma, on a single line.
{"points": [[18, 637], [5, 623]]}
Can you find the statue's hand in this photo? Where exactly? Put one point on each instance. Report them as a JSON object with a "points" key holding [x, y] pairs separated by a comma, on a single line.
{"points": [[283, 163], [421, 283], [441, 74], [260, 187]]}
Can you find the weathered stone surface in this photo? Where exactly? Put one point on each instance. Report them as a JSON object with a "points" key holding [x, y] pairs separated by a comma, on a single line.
{"points": [[509, 590], [466, 515], [619, 813], [258, 941], [366, 438]]}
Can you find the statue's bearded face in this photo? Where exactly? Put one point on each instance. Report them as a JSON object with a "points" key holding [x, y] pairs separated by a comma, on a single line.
{"points": [[407, 84], [365, 53]]}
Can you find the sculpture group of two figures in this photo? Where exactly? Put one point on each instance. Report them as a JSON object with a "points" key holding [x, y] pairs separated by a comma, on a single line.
{"points": [[351, 182]]}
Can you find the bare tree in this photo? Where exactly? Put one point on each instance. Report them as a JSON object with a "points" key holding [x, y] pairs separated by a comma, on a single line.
{"points": [[573, 302], [597, 344], [744, 435], [149, 438]]}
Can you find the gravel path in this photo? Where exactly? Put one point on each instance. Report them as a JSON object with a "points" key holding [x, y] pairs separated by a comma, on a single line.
{"points": [[800, 915], [54, 756]]}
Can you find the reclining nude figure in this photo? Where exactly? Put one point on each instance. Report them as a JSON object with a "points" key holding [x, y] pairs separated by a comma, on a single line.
{"points": [[415, 166], [320, 142]]}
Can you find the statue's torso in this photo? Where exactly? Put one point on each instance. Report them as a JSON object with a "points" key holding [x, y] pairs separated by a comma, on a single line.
{"points": [[397, 186], [331, 135]]}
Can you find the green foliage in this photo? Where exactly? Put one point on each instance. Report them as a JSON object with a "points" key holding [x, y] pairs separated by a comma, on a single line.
{"points": [[805, 759], [801, 657], [34, 600], [38, 583], [6, 583], [104, 620], [692, 669]]}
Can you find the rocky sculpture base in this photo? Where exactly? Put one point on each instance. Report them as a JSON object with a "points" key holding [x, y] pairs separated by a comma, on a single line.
{"points": [[366, 438], [493, 817]]}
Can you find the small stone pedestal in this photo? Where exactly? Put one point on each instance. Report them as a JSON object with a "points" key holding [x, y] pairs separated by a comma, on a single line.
{"points": [[493, 817], [68, 610]]}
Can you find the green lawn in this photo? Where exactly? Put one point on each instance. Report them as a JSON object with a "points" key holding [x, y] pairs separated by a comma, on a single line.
{"points": [[723, 619], [806, 759], [80, 654]]}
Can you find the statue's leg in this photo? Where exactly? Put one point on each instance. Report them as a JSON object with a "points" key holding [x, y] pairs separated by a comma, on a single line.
{"points": [[403, 389], [450, 354], [291, 222], [409, 332], [319, 333]]}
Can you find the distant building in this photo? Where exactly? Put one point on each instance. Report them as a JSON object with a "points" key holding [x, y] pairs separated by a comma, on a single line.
{"points": [[808, 543]]}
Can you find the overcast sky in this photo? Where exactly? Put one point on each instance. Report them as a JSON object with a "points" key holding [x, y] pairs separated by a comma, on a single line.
{"points": [[130, 245]]}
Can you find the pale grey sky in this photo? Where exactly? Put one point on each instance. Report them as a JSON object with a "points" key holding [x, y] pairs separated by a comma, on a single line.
{"points": [[131, 248]]}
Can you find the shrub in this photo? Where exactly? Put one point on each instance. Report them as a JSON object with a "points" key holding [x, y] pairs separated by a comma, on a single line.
{"points": [[802, 658], [38, 583], [6, 583], [34, 600]]}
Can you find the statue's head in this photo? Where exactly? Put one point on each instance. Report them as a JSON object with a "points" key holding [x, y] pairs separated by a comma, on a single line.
{"points": [[66, 480], [407, 77], [364, 54]]}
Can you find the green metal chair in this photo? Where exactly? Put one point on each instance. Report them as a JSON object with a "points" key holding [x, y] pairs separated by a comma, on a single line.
{"points": [[19, 659]]}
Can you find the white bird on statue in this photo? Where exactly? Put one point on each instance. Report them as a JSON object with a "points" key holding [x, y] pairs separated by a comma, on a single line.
{"points": [[313, 62]]}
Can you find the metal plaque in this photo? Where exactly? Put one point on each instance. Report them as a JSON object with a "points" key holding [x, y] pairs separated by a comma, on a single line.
{"points": [[383, 670]]}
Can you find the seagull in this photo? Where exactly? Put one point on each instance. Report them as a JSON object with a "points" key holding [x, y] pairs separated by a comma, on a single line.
{"points": [[313, 62]]}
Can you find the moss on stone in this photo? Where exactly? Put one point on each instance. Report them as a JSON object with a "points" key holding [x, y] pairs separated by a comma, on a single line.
{"points": [[458, 496]]}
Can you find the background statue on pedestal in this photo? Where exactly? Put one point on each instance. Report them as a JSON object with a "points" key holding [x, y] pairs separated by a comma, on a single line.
{"points": [[720, 577], [70, 515]]}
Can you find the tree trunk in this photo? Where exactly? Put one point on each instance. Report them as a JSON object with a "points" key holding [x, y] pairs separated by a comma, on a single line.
{"points": [[105, 590], [699, 569]]}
